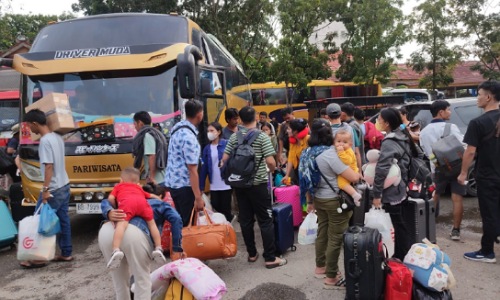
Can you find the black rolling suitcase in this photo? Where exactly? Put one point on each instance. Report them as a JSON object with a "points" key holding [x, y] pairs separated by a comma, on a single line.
{"points": [[284, 236], [358, 213], [419, 215], [363, 263], [283, 228]]}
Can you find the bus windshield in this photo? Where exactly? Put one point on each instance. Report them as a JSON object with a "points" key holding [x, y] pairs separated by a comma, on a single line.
{"points": [[117, 93]]}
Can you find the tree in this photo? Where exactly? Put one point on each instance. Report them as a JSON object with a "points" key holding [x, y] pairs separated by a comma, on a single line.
{"points": [[434, 29], [244, 27], [13, 25], [375, 32], [95, 7], [296, 61], [481, 25]]}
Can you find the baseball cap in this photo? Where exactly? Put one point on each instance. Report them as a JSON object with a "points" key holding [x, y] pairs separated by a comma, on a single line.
{"points": [[15, 129], [333, 110]]}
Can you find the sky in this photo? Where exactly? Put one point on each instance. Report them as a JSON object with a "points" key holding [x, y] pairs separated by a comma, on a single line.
{"points": [[56, 7]]}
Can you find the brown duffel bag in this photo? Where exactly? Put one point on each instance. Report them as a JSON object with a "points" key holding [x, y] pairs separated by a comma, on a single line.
{"points": [[211, 241]]}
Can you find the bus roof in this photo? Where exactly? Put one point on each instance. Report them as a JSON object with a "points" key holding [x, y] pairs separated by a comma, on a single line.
{"points": [[106, 42], [272, 84]]}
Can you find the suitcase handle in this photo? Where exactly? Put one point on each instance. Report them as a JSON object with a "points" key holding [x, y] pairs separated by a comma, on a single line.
{"points": [[353, 270]]}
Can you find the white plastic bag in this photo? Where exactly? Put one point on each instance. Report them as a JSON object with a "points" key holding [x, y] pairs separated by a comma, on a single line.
{"points": [[208, 205], [309, 229], [380, 220], [31, 244]]}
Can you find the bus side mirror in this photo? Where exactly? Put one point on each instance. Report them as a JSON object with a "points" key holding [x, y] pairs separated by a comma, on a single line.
{"points": [[186, 69], [6, 62]]}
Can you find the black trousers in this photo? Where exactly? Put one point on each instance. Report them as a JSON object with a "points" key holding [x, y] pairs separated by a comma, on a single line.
{"points": [[256, 202], [402, 242], [488, 195], [221, 202], [184, 203]]}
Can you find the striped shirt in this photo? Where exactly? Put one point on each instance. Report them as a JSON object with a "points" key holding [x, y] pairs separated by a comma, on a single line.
{"points": [[262, 147]]}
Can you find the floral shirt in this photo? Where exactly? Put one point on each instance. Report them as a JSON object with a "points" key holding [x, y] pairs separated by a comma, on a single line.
{"points": [[183, 149]]}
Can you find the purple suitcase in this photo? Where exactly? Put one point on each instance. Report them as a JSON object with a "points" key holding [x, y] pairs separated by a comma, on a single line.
{"points": [[291, 195]]}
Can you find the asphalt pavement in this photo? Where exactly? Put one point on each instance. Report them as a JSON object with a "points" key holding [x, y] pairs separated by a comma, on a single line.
{"points": [[87, 277]]}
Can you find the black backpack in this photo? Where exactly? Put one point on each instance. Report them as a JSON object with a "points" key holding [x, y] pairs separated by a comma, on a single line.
{"points": [[240, 168], [419, 176]]}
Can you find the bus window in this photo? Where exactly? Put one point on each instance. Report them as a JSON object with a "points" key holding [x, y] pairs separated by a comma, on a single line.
{"points": [[323, 92], [258, 97], [275, 96]]}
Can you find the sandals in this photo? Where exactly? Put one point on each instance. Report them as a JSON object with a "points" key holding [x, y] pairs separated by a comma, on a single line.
{"points": [[339, 285], [32, 265], [60, 258], [281, 262], [253, 259]]}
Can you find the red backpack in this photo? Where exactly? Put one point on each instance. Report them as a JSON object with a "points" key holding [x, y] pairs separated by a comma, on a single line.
{"points": [[398, 281]]}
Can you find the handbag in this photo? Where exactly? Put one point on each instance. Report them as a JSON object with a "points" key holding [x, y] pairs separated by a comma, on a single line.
{"points": [[211, 241], [346, 201], [449, 152]]}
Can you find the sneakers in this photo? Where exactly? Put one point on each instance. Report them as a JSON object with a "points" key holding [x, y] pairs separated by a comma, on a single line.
{"points": [[455, 234], [116, 259], [158, 256], [479, 256]]}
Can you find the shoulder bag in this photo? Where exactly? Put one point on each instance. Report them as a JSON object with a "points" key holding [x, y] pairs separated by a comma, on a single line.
{"points": [[344, 198], [211, 241]]}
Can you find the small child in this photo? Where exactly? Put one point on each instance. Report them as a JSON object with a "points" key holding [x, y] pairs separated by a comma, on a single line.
{"points": [[129, 196], [343, 144]]}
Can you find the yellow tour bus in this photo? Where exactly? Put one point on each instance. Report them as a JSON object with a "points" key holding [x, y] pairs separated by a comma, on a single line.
{"points": [[270, 97], [110, 67]]}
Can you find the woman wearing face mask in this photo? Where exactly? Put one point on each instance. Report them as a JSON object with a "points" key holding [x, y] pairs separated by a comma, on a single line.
{"points": [[220, 192]]}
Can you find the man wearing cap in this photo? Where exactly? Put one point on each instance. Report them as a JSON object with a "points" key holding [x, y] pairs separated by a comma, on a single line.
{"points": [[333, 112]]}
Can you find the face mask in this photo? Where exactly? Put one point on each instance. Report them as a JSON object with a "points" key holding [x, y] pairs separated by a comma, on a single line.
{"points": [[212, 136], [378, 126]]}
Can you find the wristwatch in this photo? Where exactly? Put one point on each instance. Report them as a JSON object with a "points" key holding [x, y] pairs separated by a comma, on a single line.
{"points": [[45, 189]]}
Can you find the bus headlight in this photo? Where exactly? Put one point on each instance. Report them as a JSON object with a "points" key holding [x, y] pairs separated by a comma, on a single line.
{"points": [[33, 173], [87, 196], [99, 196]]}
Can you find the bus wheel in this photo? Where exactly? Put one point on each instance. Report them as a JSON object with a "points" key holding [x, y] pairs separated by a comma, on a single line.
{"points": [[471, 184]]}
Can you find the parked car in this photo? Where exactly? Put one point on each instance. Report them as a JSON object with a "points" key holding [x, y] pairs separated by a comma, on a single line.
{"points": [[463, 110], [417, 95]]}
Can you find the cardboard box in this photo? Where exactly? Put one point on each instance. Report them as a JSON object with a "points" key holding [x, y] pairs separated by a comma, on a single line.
{"points": [[58, 111]]}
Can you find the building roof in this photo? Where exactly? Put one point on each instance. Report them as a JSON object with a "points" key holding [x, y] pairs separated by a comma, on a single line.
{"points": [[462, 75], [20, 47]]}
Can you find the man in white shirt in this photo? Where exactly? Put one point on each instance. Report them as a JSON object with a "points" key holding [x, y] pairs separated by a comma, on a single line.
{"points": [[441, 112]]}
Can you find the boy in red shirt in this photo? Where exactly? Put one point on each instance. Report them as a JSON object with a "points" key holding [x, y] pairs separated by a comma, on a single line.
{"points": [[131, 198]]}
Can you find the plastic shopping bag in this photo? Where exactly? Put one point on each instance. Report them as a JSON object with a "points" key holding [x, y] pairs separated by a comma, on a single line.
{"points": [[379, 219], [208, 205], [31, 244], [309, 229], [49, 222]]}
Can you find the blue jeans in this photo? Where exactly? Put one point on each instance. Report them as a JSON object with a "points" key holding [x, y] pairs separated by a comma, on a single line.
{"points": [[60, 203]]}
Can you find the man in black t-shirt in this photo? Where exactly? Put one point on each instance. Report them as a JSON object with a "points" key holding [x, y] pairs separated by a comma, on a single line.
{"points": [[483, 137]]}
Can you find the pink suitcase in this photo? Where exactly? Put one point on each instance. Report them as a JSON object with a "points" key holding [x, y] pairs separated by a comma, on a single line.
{"points": [[291, 195]]}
